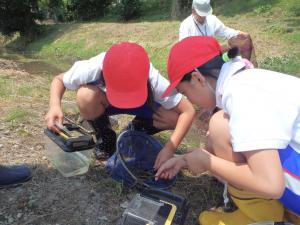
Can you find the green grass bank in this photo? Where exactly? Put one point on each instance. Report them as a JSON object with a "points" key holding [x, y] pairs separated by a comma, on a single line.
{"points": [[273, 24]]}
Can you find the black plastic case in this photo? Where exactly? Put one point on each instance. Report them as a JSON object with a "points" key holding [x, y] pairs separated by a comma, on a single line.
{"points": [[81, 142]]}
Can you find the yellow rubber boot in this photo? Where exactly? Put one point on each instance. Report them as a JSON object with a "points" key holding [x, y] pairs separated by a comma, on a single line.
{"points": [[258, 209], [223, 218], [292, 218], [251, 209]]}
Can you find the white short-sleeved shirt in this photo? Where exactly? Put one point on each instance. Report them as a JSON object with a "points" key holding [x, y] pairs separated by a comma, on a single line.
{"points": [[212, 27], [89, 72], [263, 106]]}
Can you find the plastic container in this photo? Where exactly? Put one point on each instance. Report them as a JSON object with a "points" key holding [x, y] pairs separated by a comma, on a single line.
{"points": [[155, 207], [67, 163]]}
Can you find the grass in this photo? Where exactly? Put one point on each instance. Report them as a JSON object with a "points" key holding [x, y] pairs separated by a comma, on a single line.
{"points": [[85, 40], [12, 95], [257, 7], [10, 87], [5, 85], [16, 115], [271, 23], [285, 64]]}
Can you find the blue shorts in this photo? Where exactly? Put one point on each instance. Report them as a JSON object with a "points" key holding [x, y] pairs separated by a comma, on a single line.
{"points": [[144, 111], [290, 160]]}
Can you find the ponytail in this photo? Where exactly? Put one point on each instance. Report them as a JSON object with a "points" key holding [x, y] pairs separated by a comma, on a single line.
{"points": [[232, 53]]}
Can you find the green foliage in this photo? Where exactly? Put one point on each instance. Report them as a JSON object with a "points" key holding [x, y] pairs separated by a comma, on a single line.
{"points": [[263, 9], [233, 7], [156, 10], [18, 16], [185, 6], [292, 7], [86, 9], [257, 7], [186, 3], [128, 9], [52, 9]]}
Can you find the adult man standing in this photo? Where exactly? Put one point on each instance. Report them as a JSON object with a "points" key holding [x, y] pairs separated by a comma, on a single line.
{"points": [[203, 23]]}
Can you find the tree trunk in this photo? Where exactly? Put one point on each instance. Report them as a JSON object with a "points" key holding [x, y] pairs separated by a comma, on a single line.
{"points": [[175, 13]]}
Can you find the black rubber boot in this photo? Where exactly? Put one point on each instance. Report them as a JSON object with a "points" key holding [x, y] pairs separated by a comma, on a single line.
{"points": [[106, 137], [144, 125]]}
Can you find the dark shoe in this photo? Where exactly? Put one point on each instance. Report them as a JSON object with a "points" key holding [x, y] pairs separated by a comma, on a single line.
{"points": [[14, 175], [106, 144], [144, 125], [106, 137]]}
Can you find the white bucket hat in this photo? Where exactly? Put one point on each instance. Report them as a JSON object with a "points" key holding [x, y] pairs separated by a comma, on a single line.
{"points": [[202, 7]]}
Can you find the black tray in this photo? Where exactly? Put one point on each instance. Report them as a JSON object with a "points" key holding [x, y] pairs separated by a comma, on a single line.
{"points": [[83, 142]]}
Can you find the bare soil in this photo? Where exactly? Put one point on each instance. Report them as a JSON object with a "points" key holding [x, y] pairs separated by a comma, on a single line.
{"points": [[51, 199]]}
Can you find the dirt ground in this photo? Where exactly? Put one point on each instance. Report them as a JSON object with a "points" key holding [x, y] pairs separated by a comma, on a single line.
{"points": [[51, 199]]}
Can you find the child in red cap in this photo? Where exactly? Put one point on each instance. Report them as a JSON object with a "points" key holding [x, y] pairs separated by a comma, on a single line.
{"points": [[122, 81], [253, 140]]}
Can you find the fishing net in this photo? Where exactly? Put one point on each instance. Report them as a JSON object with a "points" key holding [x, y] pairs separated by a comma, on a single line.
{"points": [[134, 159]]}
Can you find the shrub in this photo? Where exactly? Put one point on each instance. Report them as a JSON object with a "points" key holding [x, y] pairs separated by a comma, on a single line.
{"points": [[52, 9], [86, 9], [128, 9], [18, 16]]}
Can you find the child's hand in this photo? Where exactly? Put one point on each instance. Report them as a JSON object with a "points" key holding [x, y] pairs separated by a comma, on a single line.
{"points": [[242, 35], [53, 117], [170, 168], [196, 160], [163, 156]]}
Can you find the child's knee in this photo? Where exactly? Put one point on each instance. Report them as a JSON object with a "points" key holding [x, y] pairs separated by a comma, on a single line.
{"points": [[219, 138], [218, 129], [91, 101], [88, 94]]}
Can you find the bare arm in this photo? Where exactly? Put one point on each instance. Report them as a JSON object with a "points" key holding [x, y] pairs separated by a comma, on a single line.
{"points": [[55, 114], [262, 174], [186, 114]]}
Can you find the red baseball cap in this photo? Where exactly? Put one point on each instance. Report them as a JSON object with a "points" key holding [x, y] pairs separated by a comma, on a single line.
{"points": [[126, 72], [188, 54]]}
